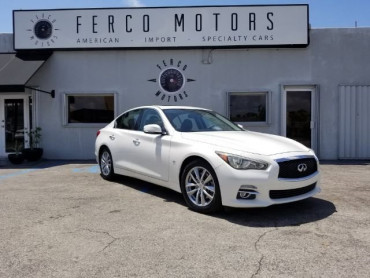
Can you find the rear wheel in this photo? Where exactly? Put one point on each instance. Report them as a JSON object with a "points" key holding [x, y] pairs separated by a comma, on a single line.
{"points": [[106, 164], [200, 188]]}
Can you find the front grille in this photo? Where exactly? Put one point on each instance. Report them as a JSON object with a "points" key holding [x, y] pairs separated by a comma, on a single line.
{"points": [[280, 194], [298, 168]]}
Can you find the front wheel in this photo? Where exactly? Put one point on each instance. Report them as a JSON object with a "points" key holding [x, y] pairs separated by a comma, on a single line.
{"points": [[200, 188], [106, 164]]}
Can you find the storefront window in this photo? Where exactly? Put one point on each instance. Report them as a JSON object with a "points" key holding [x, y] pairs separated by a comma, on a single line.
{"points": [[248, 107], [90, 108]]}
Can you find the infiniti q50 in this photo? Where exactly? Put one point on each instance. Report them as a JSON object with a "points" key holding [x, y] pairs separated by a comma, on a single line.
{"points": [[210, 160]]}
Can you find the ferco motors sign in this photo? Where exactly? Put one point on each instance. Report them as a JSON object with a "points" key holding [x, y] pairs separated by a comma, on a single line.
{"points": [[170, 27]]}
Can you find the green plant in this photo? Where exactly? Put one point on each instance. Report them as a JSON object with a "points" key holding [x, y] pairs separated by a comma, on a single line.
{"points": [[17, 147], [34, 136]]}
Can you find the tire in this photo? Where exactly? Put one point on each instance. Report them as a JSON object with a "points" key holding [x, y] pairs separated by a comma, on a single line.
{"points": [[200, 187], [106, 164]]}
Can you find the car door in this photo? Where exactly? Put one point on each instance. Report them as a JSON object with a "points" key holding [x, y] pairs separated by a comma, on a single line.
{"points": [[120, 139], [136, 151], [152, 151]]}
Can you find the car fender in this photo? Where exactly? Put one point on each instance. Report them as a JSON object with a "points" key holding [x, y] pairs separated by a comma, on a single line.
{"points": [[180, 156]]}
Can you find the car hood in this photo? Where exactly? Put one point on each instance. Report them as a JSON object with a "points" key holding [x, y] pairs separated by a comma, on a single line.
{"points": [[247, 141]]}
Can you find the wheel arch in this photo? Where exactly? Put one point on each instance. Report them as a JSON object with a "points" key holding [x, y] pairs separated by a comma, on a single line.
{"points": [[216, 204], [189, 160], [101, 148]]}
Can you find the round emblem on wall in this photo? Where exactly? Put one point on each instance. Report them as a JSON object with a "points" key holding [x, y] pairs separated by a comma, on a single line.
{"points": [[43, 29], [43, 32], [172, 81]]}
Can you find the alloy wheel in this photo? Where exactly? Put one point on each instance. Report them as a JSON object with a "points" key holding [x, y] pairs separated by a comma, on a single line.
{"points": [[106, 163], [200, 186]]}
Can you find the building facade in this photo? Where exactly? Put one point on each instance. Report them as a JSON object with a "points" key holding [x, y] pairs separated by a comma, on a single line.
{"points": [[318, 94]]}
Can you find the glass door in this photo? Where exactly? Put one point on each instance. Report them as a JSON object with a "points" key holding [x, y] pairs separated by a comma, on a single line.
{"points": [[13, 124], [300, 115]]}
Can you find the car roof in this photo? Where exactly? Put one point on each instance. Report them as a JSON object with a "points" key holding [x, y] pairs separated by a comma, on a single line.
{"points": [[165, 107]]}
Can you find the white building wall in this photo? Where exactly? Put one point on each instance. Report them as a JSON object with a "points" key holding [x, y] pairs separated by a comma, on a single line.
{"points": [[335, 56]]}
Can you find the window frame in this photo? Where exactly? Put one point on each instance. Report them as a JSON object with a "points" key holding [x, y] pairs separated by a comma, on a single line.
{"points": [[86, 94], [267, 93]]}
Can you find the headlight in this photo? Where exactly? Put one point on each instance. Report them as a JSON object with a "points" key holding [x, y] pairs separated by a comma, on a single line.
{"points": [[242, 163]]}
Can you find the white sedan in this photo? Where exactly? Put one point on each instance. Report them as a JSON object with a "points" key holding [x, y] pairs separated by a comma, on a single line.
{"points": [[210, 160]]}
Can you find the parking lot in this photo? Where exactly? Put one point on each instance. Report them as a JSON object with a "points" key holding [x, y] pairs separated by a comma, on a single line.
{"points": [[61, 219]]}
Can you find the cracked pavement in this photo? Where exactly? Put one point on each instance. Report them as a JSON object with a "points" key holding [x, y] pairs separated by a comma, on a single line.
{"points": [[61, 219]]}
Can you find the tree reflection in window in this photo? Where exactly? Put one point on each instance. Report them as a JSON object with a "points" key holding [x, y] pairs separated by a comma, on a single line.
{"points": [[248, 107], [90, 108]]}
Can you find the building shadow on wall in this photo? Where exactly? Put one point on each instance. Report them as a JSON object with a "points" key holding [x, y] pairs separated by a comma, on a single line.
{"points": [[42, 164]]}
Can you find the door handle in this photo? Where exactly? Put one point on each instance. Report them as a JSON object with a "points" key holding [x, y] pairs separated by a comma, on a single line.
{"points": [[112, 137], [136, 142]]}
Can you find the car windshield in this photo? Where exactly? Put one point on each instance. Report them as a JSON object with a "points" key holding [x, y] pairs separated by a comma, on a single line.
{"points": [[193, 120]]}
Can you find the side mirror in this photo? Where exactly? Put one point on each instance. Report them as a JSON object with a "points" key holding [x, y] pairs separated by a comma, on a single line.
{"points": [[153, 129]]}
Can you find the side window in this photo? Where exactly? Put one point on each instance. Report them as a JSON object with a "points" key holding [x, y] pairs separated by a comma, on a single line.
{"points": [[151, 116], [129, 120]]}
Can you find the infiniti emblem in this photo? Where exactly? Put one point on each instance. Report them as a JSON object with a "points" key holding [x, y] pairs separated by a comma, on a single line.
{"points": [[302, 167]]}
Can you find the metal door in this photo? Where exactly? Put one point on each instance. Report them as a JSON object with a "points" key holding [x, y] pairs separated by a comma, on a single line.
{"points": [[354, 122]]}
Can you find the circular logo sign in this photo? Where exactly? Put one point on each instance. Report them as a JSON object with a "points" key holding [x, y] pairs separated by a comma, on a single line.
{"points": [[43, 29], [43, 32], [171, 81]]}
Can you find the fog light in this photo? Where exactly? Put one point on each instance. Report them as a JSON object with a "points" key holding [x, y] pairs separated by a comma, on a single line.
{"points": [[246, 194]]}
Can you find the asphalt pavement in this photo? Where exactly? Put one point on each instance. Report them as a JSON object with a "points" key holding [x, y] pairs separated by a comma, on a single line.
{"points": [[61, 219]]}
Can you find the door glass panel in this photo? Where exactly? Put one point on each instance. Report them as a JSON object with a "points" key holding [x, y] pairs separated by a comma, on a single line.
{"points": [[299, 116], [14, 124]]}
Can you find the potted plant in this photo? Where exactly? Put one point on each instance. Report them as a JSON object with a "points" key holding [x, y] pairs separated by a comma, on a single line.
{"points": [[17, 157], [34, 152]]}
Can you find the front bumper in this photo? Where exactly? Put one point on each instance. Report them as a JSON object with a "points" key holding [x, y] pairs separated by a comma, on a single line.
{"points": [[263, 188]]}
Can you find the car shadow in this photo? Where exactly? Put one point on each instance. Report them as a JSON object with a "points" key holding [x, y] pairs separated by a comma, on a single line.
{"points": [[292, 214], [166, 194]]}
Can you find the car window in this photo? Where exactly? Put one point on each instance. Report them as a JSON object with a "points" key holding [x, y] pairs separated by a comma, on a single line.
{"points": [[150, 116], [179, 119], [189, 120], [129, 120]]}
